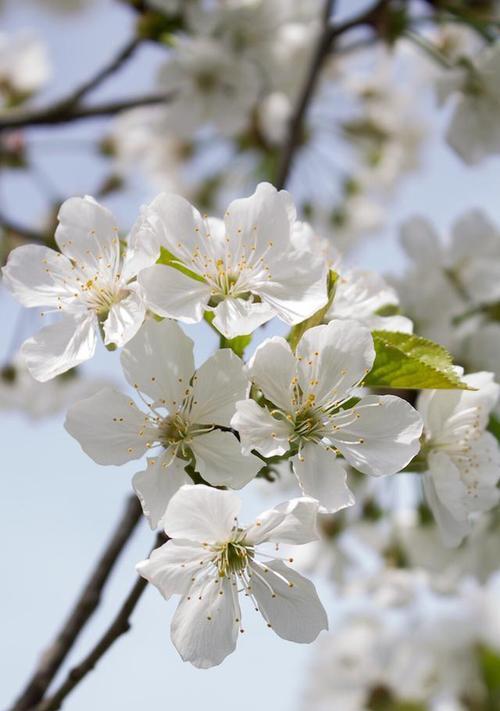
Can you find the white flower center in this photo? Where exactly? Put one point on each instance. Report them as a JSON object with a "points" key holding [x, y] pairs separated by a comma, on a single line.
{"points": [[175, 431], [101, 296], [232, 557], [228, 273]]}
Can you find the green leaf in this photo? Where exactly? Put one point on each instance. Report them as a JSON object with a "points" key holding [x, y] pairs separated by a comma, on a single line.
{"points": [[171, 260], [404, 360], [316, 319]]}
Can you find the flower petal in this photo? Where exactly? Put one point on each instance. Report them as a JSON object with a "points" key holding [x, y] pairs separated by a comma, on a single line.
{"points": [[205, 626], [108, 427], [290, 522], [451, 530], [261, 221], [87, 233], [259, 430], [439, 406], [217, 385], [296, 286], [38, 276], [474, 132], [156, 485], [170, 567], [220, 461], [237, 317], [200, 513], [170, 293], [322, 476], [333, 359], [295, 611], [60, 346], [175, 223], [381, 434], [272, 369], [143, 248], [468, 485], [124, 319], [159, 362]]}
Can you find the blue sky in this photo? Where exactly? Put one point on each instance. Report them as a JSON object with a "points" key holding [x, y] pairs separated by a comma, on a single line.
{"points": [[58, 507]]}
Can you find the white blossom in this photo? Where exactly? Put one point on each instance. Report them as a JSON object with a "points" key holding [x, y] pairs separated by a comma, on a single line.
{"points": [[210, 558], [20, 392], [401, 643], [142, 140], [244, 270], [276, 37], [463, 459], [386, 130], [474, 131], [359, 295], [458, 274], [88, 282], [24, 65], [306, 391], [185, 411], [210, 85]]}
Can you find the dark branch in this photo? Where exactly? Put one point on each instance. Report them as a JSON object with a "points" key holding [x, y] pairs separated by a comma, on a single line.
{"points": [[60, 113], [22, 231], [86, 604], [327, 38], [116, 63], [118, 627], [67, 109]]}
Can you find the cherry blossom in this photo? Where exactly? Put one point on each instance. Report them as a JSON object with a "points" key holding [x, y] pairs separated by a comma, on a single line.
{"points": [[88, 282], [305, 394], [244, 270], [463, 459], [210, 558], [187, 411]]}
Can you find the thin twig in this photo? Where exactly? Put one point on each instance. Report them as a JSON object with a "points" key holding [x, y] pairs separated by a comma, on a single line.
{"points": [[86, 604], [58, 114], [68, 106], [118, 627], [330, 33], [116, 63], [328, 10]]}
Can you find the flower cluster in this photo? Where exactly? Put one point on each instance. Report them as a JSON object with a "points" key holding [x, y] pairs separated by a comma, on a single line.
{"points": [[402, 644], [254, 356], [221, 424]]}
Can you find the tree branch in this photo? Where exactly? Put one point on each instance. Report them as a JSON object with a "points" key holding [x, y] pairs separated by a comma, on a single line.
{"points": [[67, 109], [328, 36], [64, 113], [22, 231], [86, 604], [118, 627], [116, 63]]}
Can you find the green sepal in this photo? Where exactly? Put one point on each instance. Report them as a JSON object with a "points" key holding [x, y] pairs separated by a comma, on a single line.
{"points": [[296, 332], [171, 260]]}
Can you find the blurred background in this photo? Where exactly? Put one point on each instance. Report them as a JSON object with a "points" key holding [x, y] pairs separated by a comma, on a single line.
{"points": [[58, 507]]}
